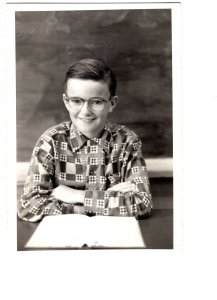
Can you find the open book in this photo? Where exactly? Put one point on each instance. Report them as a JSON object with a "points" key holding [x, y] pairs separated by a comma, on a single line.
{"points": [[77, 231]]}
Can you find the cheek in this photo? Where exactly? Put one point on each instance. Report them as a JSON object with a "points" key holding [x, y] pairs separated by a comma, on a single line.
{"points": [[72, 115], [103, 116]]}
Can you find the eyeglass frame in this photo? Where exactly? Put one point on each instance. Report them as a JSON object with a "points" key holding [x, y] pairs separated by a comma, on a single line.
{"points": [[67, 98]]}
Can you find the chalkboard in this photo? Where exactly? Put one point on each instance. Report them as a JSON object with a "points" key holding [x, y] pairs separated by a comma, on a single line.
{"points": [[136, 44]]}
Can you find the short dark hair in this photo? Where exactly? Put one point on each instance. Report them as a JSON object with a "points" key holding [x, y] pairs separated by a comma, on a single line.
{"points": [[94, 69]]}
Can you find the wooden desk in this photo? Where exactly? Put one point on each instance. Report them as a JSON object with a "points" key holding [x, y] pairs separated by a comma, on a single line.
{"points": [[157, 230]]}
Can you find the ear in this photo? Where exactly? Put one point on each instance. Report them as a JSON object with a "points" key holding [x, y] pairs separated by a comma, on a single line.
{"points": [[65, 102], [113, 103]]}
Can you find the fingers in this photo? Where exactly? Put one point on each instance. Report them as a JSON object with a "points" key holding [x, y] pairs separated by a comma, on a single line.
{"points": [[61, 193], [68, 195]]}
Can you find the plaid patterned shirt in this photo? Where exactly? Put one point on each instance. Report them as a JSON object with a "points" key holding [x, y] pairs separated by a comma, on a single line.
{"points": [[63, 156]]}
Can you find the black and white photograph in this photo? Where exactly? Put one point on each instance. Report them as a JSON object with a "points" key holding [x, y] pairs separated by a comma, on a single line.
{"points": [[108, 147], [94, 129]]}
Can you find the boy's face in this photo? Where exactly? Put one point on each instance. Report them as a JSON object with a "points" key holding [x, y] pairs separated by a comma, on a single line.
{"points": [[88, 121]]}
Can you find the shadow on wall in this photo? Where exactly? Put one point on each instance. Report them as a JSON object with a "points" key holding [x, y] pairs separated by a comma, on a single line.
{"points": [[135, 43]]}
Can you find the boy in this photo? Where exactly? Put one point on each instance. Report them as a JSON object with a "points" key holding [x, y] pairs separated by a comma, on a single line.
{"points": [[87, 165]]}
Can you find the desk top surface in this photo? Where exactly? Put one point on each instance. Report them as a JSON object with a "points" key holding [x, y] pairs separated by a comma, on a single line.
{"points": [[157, 231]]}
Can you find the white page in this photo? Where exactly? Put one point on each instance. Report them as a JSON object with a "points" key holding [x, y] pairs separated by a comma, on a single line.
{"points": [[75, 230], [60, 231], [117, 232]]}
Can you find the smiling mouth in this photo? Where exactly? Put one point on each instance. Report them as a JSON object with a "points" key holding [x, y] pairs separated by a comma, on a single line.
{"points": [[87, 120]]}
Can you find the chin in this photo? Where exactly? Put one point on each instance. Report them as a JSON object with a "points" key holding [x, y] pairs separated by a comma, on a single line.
{"points": [[90, 132], [86, 129]]}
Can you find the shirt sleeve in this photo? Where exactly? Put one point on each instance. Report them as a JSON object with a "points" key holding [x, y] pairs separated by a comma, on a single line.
{"points": [[136, 203], [36, 200]]}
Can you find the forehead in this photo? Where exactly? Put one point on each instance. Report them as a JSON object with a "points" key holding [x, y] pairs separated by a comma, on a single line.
{"points": [[87, 88]]}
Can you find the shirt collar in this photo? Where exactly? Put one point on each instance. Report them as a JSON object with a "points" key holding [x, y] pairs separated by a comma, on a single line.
{"points": [[78, 139]]}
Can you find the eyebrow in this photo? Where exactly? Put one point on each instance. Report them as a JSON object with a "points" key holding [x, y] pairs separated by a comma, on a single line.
{"points": [[96, 97]]}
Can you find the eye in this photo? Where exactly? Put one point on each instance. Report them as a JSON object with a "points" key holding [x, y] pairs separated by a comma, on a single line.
{"points": [[75, 101], [97, 102]]}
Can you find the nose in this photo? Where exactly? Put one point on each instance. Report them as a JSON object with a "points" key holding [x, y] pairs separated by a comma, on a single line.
{"points": [[85, 110]]}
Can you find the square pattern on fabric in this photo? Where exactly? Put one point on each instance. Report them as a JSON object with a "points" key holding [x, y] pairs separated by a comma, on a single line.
{"points": [[63, 155]]}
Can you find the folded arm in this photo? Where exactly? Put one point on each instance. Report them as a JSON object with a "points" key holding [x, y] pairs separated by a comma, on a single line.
{"points": [[131, 197], [40, 198]]}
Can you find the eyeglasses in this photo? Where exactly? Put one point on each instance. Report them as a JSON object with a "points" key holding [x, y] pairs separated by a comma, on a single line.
{"points": [[96, 103]]}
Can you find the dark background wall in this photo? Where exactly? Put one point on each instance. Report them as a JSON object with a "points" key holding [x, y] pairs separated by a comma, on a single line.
{"points": [[136, 44]]}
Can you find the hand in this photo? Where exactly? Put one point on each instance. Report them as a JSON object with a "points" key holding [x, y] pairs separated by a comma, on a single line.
{"points": [[123, 187], [68, 195]]}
